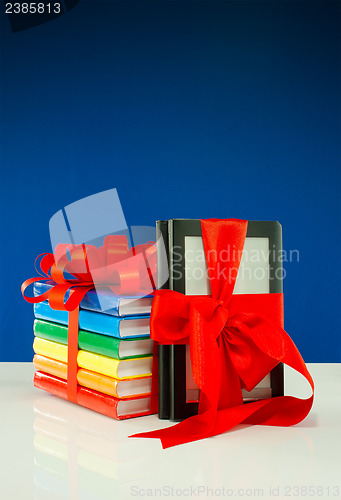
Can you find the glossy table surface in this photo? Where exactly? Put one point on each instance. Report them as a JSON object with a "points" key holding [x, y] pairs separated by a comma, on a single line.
{"points": [[53, 449]]}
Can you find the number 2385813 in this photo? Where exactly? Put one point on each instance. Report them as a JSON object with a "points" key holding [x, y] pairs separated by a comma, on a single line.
{"points": [[32, 8]]}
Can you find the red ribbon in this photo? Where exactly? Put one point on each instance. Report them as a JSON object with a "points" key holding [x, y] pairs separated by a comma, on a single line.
{"points": [[235, 340], [113, 267]]}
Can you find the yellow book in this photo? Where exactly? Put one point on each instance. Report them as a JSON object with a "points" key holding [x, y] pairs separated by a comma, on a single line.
{"points": [[116, 368], [50, 349], [107, 385]]}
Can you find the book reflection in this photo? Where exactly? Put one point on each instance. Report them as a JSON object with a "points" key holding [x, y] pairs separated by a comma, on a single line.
{"points": [[83, 454]]}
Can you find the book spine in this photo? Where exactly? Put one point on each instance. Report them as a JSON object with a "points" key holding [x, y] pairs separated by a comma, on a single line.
{"points": [[52, 350], [100, 383], [50, 384], [50, 366], [96, 322], [50, 331], [97, 401], [163, 350], [43, 311], [98, 363], [100, 323], [92, 302], [85, 378], [41, 287], [107, 405], [109, 346], [93, 342]]}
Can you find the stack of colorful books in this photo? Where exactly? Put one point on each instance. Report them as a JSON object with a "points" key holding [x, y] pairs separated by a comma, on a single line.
{"points": [[115, 352]]}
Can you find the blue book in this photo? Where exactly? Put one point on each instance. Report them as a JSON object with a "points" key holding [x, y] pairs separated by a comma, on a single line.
{"points": [[105, 324], [106, 302]]}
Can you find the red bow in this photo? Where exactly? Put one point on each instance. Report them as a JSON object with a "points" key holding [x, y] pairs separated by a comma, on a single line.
{"points": [[76, 269], [235, 340], [113, 266]]}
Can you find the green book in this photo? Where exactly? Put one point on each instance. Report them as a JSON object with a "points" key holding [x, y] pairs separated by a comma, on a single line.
{"points": [[136, 347]]}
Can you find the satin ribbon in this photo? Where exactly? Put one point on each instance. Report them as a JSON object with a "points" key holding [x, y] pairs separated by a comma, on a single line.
{"points": [[235, 340], [76, 269]]}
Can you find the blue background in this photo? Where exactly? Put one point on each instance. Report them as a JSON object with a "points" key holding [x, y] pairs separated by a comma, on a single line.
{"points": [[190, 109]]}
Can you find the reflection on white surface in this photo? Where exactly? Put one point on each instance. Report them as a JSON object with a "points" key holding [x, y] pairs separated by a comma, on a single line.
{"points": [[81, 455], [52, 449]]}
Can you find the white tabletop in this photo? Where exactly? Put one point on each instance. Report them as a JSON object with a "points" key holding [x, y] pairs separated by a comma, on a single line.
{"points": [[53, 449]]}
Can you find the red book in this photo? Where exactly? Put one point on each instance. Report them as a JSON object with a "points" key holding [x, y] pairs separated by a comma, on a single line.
{"points": [[107, 405]]}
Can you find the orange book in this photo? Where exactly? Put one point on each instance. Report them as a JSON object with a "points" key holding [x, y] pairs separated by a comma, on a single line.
{"points": [[107, 385]]}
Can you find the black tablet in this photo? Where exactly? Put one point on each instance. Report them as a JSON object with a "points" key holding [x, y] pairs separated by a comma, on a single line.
{"points": [[260, 272]]}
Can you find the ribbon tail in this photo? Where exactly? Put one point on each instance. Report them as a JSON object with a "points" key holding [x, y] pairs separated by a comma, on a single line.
{"points": [[180, 433], [281, 411]]}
